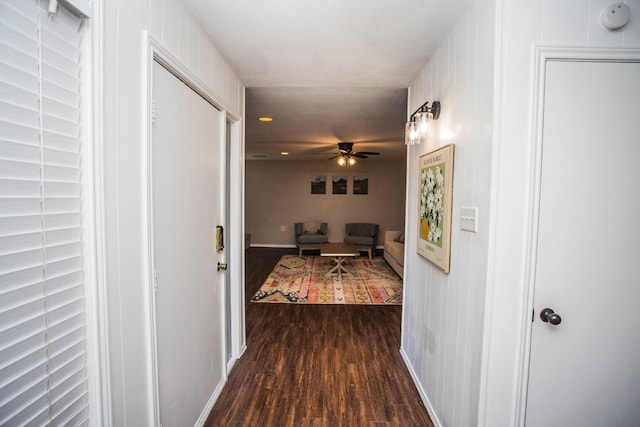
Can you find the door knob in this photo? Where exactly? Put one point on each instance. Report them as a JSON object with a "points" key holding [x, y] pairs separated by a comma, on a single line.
{"points": [[548, 315], [222, 266]]}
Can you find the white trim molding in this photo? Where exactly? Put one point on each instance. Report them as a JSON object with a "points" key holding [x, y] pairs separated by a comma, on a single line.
{"points": [[423, 394], [100, 363]]}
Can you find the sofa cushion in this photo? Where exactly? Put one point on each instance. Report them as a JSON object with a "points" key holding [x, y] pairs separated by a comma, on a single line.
{"points": [[361, 229], [359, 240], [312, 238], [311, 227], [396, 251], [399, 237]]}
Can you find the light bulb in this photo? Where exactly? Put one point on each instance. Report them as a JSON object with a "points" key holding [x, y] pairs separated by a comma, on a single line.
{"points": [[352, 161], [341, 161], [422, 120], [411, 133]]}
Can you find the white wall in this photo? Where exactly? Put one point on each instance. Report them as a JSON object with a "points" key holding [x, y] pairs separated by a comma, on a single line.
{"points": [[523, 25], [279, 193], [124, 178], [445, 343], [443, 313]]}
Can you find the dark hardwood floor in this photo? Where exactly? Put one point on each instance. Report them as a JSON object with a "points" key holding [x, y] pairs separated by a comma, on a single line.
{"points": [[317, 365]]}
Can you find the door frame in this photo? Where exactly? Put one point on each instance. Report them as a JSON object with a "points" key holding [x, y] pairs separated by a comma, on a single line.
{"points": [[153, 51], [544, 55]]}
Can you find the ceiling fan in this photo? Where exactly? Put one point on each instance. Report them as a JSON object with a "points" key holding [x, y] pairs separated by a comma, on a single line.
{"points": [[346, 150]]}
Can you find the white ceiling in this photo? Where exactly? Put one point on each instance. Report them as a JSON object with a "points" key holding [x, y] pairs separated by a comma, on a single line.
{"points": [[326, 70], [308, 121]]}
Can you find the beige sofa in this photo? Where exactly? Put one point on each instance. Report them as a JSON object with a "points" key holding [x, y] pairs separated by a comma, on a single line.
{"points": [[394, 250]]}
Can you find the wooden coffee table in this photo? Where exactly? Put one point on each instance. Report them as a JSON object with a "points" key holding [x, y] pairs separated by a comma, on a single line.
{"points": [[339, 252]]}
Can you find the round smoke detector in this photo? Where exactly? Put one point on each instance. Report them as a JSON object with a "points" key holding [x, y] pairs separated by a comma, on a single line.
{"points": [[615, 16]]}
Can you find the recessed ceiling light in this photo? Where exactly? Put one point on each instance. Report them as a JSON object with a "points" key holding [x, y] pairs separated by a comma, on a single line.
{"points": [[284, 153], [265, 119]]}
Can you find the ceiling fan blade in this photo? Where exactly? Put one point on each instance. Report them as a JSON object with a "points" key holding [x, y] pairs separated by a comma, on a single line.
{"points": [[379, 140], [334, 157], [370, 153], [359, 155]]}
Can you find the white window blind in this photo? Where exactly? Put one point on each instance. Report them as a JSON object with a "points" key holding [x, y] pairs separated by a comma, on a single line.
{"points": [[43, 373]]}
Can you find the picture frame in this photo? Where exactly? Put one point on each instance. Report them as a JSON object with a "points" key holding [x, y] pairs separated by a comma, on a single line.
{"points": [[339, 184], [360, 185], [434, 206], [319, 184]]}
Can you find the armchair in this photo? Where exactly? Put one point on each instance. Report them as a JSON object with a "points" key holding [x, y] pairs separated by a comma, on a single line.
{"points": [[309, 235], [364, 236]]}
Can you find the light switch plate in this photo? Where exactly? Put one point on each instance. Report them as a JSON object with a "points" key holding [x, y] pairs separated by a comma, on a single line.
{"points": [[469, 219]]}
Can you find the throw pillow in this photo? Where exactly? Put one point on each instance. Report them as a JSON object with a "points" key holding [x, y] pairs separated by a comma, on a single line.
{"points": [[311, 227], [400, 237]]}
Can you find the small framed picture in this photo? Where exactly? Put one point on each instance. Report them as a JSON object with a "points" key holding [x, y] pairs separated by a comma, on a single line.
{"points": [[340, 184], [360, 185], [319, 184]]}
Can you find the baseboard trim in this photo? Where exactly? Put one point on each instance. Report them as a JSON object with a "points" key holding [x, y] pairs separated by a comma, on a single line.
{"points": [[421, 392], [230, 364], [209, 406], [270, 245]]}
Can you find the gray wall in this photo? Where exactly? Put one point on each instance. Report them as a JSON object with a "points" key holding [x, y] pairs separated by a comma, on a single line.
{"points": [[278, 193]]}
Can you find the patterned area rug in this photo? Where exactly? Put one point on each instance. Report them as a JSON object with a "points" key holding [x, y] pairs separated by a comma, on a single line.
{"points": [[302, 280]]}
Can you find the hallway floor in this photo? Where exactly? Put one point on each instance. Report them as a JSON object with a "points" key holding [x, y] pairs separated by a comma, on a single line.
{"points": [[317, 365]]}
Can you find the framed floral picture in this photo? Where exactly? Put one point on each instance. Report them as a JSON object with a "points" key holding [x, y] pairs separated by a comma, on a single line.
{"points": [[434, 224]]}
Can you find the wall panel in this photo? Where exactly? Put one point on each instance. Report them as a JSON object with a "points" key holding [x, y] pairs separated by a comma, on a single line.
{"points": [[125, 23], [442, 323]]}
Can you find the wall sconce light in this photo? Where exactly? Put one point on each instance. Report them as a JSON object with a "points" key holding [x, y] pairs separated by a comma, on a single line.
{"points": [[346, 160], [417, 127]]}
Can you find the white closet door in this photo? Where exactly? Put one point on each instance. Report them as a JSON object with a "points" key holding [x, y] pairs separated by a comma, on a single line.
{"points": [[584, 370]]}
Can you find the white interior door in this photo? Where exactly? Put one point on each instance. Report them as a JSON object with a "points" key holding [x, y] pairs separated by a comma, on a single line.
{"points": [[585, 371], [187, 139]]}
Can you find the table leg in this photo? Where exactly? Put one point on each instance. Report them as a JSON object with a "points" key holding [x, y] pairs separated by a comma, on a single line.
{"points": [[335, 267], [339, 268]]}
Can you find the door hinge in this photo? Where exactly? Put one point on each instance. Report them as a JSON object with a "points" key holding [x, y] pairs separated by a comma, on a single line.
{"points": [[153, 111], [155, 281]]}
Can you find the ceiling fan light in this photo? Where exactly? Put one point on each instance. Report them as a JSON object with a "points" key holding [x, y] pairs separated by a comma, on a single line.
{"points": [[351, 161], [341, 161]]}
